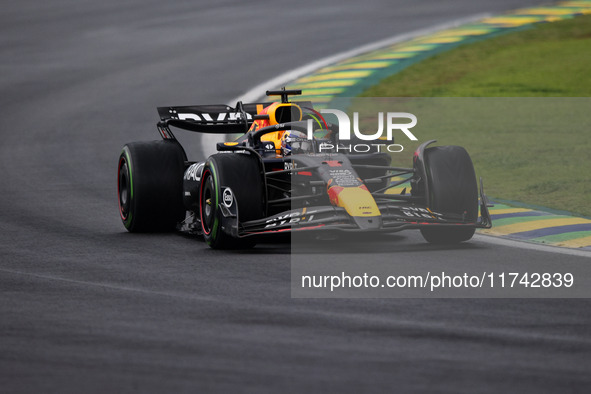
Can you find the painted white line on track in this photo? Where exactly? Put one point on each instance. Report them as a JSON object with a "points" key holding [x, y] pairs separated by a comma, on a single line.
{"points": [[256, 93], [491, 239]]}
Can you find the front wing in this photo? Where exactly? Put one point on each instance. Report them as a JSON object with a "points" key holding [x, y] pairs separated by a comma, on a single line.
{"points": [[394, 217]]}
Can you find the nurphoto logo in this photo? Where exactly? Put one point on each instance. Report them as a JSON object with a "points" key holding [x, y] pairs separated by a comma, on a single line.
{"points": [[345, 132]]}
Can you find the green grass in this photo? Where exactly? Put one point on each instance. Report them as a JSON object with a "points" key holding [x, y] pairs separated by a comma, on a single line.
{"points": [[530, 150]]}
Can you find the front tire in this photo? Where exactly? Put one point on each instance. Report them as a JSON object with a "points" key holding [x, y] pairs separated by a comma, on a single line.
{"points": [[150, 185], [452, 189], [242, 174]]}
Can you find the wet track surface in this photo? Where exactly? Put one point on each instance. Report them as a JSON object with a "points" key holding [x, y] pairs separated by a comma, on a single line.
{"points": [[87, 307]]}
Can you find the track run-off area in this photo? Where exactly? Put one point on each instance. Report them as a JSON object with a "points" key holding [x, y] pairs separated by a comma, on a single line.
{"points": [[87, 307], [349, 74]]}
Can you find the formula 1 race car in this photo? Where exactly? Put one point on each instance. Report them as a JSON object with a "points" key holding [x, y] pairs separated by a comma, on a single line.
{"points": [[280, 177]]}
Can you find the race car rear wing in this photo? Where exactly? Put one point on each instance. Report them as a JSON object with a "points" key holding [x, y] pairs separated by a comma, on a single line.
{"points": [[215, 119]]}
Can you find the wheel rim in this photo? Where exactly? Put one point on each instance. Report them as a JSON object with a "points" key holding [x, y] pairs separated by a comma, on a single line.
{"points": [[207, 202], [123, 189]]}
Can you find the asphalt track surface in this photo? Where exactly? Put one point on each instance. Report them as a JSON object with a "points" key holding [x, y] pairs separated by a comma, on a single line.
{"points": [[87, 307]]}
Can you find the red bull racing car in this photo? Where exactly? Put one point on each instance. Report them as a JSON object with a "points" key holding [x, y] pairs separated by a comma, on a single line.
{"points": [[279, 177]]}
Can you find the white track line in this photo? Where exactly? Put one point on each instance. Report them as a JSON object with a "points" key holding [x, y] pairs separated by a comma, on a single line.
{"points": [[257, 92], [491, 239]]}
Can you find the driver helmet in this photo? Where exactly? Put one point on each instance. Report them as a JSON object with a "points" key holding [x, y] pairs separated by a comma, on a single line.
{"points": [[294, 142]]}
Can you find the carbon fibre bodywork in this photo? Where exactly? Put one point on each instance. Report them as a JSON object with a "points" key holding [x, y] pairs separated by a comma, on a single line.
{"points": [[310, 208], [308, 191]]}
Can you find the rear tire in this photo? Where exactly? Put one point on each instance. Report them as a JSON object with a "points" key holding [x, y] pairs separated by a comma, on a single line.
{"points": [[452, 189], [242, 174], [150, 185]]}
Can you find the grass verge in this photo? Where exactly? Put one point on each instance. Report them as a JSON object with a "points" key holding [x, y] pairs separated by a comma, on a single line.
{"points": [[535, 151]]}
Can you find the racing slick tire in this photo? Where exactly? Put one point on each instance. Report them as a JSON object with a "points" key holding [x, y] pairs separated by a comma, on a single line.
{"points": [[452, 189], [242, 174], [150, 186]]}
